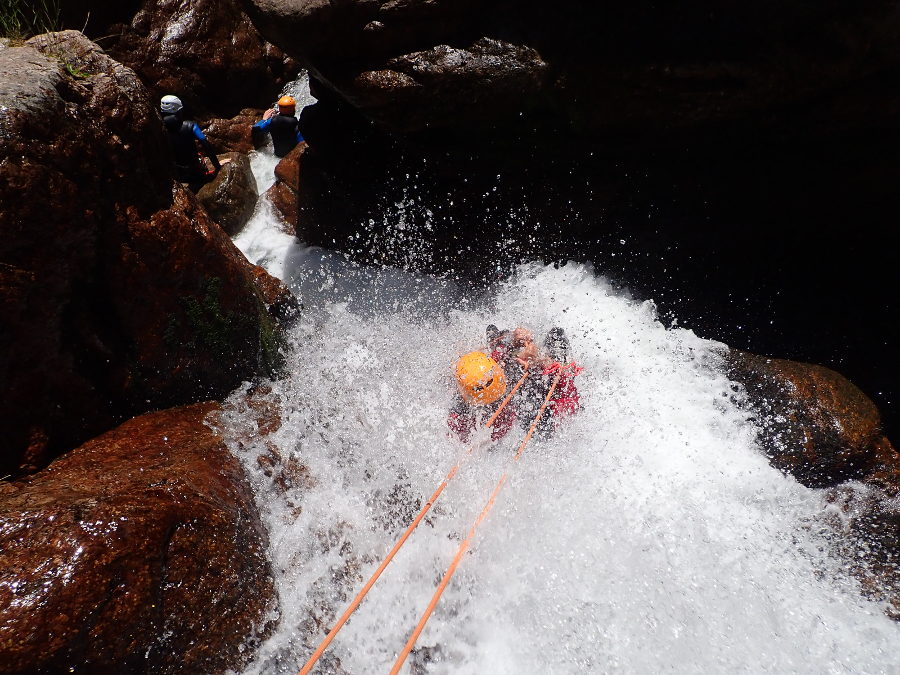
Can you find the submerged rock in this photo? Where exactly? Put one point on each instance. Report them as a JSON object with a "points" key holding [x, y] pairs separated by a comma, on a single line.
{"points": [[141, 551], [817, 426], [119, 293]]}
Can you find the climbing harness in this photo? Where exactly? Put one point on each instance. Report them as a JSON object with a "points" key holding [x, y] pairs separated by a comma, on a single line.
{"points": [[463, 547], [409, 530], [559, 370]]}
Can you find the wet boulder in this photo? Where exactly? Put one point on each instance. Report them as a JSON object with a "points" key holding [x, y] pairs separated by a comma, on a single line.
{"points": [[205, 51], [283, 305], [141, 552], [284, 192], [814, 424], [412, 92], [232, 134], [866, 518], [119, 294], [231, 196]]}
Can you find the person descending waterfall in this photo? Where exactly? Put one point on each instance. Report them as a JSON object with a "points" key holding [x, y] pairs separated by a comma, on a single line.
{"points": [[281, 124], [483, 379], [184, 136]]}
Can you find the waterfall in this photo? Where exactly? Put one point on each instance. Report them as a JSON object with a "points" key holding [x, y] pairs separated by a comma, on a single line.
{"points": [[649, 534]]}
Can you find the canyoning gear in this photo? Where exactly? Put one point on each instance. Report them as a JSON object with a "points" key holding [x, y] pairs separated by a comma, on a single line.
{"points": [[480, 378], [184, 137], [170, 104], [409, 530], [284, 129], [286, 105], [506, 345], [464, 546]]}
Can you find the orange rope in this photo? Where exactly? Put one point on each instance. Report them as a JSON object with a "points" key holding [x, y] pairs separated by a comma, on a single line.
{"points": [[468, 540], [409, 530]]}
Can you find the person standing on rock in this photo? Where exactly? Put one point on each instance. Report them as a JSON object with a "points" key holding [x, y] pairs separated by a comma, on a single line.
{"points": [[281, 124], [184, 137]]}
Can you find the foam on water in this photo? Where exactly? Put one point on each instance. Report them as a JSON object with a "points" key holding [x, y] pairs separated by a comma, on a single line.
{"points": [[649, 535]]}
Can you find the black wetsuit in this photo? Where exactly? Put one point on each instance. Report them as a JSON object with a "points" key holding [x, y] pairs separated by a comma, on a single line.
{"points": [[183, 137], [284, 130]]}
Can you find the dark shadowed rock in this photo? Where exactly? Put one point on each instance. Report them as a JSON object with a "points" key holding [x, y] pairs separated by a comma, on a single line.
{"points": [[814, 423], [93, 18], [233, 134], [425, 89], [283, 305], [119, 294], [205, 51], [628, 66], [284, 192], [867, 520], [139, 552], [231, 196]]}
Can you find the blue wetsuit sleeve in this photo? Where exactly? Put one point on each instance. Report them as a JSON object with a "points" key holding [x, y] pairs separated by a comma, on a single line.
{"points": [[207, 148], [299, 136], [263, 125]]}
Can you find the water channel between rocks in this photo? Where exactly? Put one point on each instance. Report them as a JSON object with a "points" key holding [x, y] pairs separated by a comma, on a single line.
{"points": [[649, 535]]}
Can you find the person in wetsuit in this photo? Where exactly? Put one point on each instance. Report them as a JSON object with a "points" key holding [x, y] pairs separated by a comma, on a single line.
{"points": [[483, 380], [281, 124], [184, 137]]}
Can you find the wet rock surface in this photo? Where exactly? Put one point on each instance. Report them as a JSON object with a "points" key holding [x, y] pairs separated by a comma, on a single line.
{"points": [[233, 134], [814, 423], [424, 89], [205, 51], [284, 195], [140, 552], [119, 293], [231, 196], [866, 521], [605, 66]]}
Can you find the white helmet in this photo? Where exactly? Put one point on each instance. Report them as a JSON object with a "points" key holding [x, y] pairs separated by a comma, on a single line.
{"points": [[170, 104]]}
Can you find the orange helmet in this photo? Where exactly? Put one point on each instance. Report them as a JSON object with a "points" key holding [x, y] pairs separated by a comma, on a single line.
{"points": [[286, 104], [480, 379]]}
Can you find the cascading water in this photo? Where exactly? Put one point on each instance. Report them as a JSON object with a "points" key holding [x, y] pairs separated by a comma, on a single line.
{"points": [[648, 535]]}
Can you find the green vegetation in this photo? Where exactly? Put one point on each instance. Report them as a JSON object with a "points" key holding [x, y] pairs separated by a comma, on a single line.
{"points": [[75, 71], [212, 330], [22, 19]]}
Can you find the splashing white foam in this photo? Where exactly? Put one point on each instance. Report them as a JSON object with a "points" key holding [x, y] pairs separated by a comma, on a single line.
{"points": [[649, 535]]}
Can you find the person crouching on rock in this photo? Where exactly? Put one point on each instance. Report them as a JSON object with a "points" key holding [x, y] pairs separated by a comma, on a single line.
{"points": [[184, 137], [482, 381], [281, 124]]}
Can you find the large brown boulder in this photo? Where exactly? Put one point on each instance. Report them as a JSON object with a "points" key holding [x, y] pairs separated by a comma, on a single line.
{"points": [[233, 134], [814, 423], [205, 51], [231, 196], [118, 293], [284, 194], [140, 552]]}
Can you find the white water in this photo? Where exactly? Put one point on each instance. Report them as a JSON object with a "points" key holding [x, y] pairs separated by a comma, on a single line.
{"points": [[649, 535]]}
